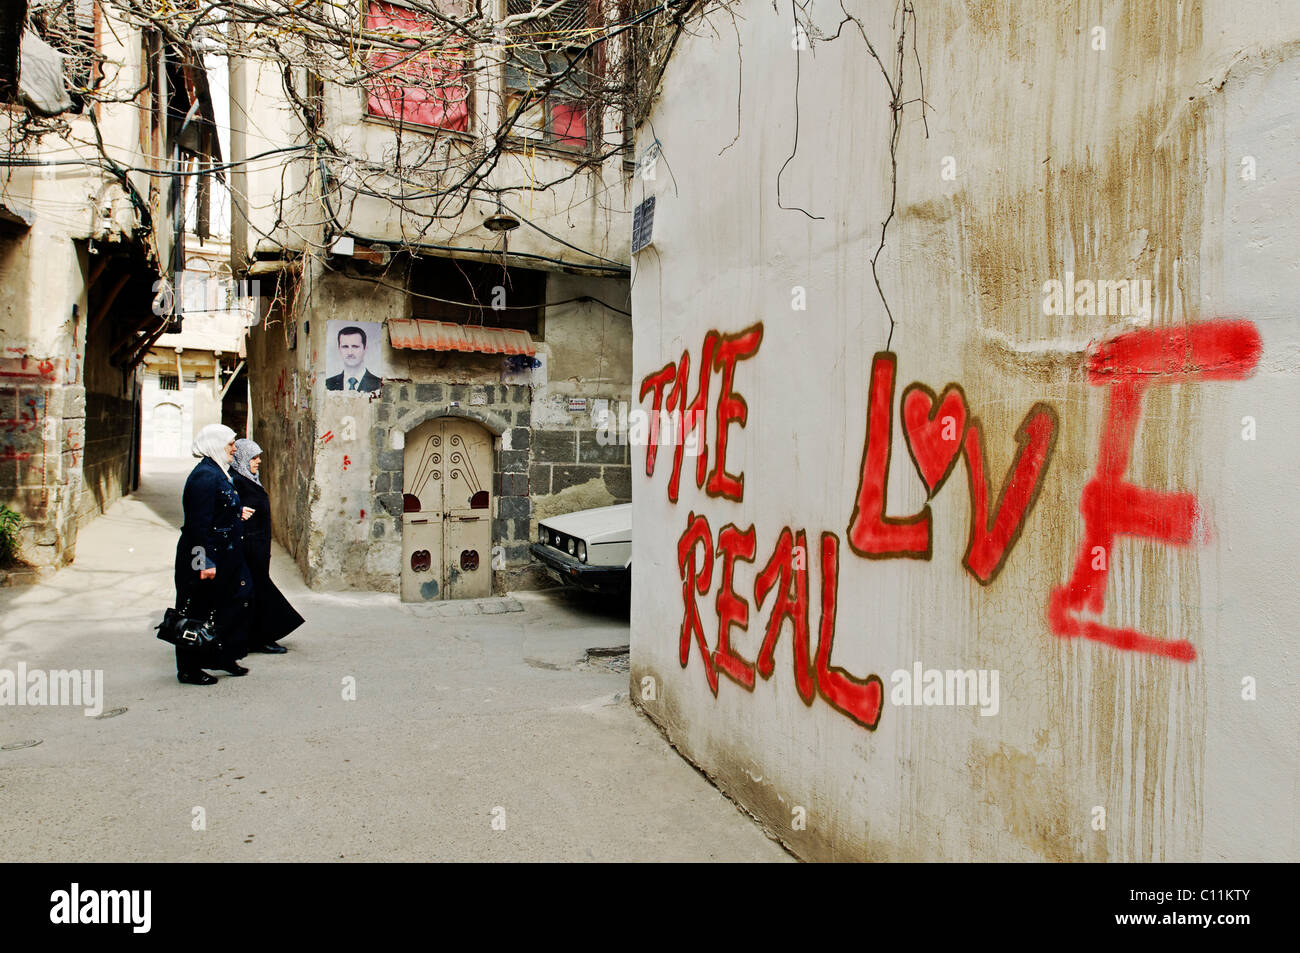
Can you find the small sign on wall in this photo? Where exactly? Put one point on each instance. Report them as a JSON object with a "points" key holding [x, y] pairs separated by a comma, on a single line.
{"points": [[643, 223], [577, 405]]}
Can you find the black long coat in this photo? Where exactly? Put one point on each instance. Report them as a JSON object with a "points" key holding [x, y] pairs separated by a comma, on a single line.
{"points": [[273, 616], [211, 537]]}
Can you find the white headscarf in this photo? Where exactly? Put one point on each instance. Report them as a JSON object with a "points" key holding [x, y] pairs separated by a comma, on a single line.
{"points": [[245, 451], [212, 442]]}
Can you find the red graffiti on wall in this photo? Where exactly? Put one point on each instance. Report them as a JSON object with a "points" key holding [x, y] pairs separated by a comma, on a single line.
{"points": [[21, 436], [992, 537], [28, 418], [74, 440], [732, 608], [861, 699], [719, 353], [696, 577], [782, 571], [282, 389], [28, 368], [938, 430], [785, 572], [1111, 506], [871, 533]]}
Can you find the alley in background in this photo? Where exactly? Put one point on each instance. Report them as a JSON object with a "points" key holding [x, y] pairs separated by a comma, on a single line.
{"points": [[465, 714]]}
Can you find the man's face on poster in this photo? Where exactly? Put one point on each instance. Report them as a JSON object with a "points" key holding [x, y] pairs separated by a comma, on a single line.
{"points": [[352, 348]]}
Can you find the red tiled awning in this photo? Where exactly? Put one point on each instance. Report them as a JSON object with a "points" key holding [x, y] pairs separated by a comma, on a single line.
{"points": [[424, 335]]}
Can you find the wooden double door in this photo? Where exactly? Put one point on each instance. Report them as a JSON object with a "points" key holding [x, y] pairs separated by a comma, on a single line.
{"points": [[447, 511]]}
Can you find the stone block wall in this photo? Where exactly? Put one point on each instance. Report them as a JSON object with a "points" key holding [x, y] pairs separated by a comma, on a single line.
{"points": [[571, 470], [107, 431], [503, 409], [49, 472]]}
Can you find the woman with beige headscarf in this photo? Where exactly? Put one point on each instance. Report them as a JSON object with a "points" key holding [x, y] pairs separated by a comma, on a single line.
{"points": [[210, 572]]}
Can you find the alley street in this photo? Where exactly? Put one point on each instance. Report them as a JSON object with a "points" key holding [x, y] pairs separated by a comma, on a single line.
{"points": [[465, 713]]}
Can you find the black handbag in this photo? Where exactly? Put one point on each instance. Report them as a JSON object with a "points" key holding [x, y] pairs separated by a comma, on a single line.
{"points": [[185, 630]]}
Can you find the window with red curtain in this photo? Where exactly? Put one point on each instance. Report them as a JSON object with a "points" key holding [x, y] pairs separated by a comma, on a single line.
{"points": [[569, 124], [547, 46], [425, 88]]}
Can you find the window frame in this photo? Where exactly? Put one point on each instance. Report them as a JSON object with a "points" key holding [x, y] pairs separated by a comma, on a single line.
{"points": [[594, 116], [400, 122]]}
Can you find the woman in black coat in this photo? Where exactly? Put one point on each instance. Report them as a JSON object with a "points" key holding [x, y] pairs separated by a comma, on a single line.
{"points": [[273, 616], [210, 570]]}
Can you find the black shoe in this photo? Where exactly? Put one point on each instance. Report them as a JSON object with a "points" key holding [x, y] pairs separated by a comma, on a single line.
{"points": [[197, 677], [270, 649], [234, 668]]}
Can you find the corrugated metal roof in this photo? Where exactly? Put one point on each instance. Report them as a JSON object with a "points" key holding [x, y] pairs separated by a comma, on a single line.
{"points": [[424, 335]]}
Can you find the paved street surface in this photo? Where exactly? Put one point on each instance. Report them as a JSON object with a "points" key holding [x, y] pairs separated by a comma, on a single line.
{"points": [[461, 709]]}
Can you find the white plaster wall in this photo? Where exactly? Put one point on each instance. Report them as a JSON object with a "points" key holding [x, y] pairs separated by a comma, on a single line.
{"points": [[1114, 163]]}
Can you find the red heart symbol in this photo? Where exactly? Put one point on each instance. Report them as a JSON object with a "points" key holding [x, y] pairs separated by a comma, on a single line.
{"points": [[934, 435]]}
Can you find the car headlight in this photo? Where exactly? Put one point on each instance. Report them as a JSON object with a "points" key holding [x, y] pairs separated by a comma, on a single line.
{"points": [[572, 546], [582, 551]]}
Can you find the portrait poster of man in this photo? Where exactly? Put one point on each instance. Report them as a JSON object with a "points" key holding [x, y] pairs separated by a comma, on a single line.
{"points": [[354, 361]]}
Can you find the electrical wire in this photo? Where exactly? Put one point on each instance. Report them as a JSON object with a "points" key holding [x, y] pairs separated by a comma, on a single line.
{"points": [[536, 227], [620, 270], [477, 306], [42, 163]]}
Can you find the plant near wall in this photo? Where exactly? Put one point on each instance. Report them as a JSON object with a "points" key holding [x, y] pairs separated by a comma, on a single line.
{"points": [[10, 523]]}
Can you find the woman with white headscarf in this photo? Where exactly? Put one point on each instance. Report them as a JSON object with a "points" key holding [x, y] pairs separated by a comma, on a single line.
{"points": [[210, 572], [273, 616]]}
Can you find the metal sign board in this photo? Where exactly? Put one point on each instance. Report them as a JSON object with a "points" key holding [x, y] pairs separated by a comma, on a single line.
{"points": [[643, 220]]}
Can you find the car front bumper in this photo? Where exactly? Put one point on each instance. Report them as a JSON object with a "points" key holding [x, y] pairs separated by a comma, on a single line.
{"points": [[569, 571]]}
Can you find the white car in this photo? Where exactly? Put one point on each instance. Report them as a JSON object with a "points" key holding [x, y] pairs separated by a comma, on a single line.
{"points": [[589, 549]]}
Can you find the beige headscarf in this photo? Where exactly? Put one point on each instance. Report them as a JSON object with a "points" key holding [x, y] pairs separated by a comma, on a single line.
{"points": [[212, 442]]}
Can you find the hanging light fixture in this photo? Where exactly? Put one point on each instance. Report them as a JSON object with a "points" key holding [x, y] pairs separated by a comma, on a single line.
{"points": [[500, 220]]}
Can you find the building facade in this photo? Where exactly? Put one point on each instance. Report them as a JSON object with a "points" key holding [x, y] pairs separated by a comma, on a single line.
{"points": [[490, 320], [87, 237]]}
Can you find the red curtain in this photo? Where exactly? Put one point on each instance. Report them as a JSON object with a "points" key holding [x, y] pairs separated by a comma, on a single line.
{"points": [[429, 89], [569, 121]]}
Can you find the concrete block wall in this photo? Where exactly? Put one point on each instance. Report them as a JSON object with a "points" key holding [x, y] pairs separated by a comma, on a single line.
{"points": [[42, 392], [283, 428], [40, 476]]}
